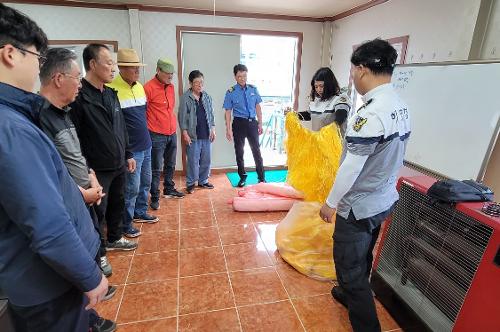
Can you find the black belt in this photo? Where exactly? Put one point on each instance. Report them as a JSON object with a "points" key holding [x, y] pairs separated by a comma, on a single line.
{"points": [[246, 119], [325, 112]]}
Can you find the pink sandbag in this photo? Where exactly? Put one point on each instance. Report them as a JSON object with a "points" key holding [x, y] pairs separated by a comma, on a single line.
{"points": [[276, 189], [255, 202], [266, 197]]}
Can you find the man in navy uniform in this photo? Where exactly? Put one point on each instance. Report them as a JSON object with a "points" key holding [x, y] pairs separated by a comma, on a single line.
{"points": [[243, 100], [364, 193]]}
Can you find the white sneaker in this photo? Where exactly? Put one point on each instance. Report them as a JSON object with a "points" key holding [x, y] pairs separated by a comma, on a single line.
{"points": [[106, 267]]}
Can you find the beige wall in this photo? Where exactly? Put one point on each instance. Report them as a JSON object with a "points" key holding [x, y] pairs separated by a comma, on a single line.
{"points": [[158, 38], [491, 50], [491, 44], [70, 23], [439, 30], [152, 34], [156, 31], [492, 176]]}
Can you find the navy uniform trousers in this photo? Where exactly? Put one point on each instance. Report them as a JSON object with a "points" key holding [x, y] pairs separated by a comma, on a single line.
{"points": [[249, 129], [354, 241]]}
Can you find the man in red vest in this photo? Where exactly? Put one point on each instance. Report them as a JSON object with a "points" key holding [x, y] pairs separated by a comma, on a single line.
{"points": [[162, 125]]}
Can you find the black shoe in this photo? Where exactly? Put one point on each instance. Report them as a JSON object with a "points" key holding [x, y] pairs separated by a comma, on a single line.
{"points": [[121, 244], [104, 325], [155, 205], [338, 294], [207, 185], [173, 194], [111, 292], [190, 189], [131, 232], [242, 183], [146, 218], [262, 181]]}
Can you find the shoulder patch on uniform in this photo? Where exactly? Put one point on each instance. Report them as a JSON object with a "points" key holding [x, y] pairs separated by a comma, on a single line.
{"points": [[231, 89], [359, 123]]}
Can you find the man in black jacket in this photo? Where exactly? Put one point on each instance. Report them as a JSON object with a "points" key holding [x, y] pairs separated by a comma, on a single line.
{"points": [[101, 128]]}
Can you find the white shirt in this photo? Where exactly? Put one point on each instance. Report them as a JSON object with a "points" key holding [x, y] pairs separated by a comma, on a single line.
{"points": [[323, 111], [376, 139]]}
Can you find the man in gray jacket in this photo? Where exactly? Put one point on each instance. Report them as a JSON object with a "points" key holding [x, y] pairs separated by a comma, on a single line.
{"points": [[60, 79], [196, 120]]}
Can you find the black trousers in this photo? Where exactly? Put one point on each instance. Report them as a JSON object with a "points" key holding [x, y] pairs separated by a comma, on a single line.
{"points": [[95, 221], [249, 129], [354, 241], [64, 313], [163, 155], [111, 211]]}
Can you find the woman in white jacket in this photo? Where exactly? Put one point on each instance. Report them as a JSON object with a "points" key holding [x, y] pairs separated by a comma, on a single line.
{"points": [[327, 103], [303, 239]]}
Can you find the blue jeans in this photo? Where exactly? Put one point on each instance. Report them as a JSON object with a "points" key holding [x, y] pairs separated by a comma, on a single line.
{"points": [[198, 161], [137, 188], [163, 154]]}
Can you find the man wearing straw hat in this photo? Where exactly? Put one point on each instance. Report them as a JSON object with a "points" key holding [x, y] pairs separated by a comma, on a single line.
{"points": [[133, 103]]}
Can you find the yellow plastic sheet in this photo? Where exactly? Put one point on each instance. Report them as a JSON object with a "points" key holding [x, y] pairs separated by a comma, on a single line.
{"points": [[305, 241], [313, 158]]}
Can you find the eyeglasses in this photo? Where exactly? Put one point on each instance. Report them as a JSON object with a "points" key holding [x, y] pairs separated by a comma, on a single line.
{"points": [[108, 63], [41, 58], [79, 77]]}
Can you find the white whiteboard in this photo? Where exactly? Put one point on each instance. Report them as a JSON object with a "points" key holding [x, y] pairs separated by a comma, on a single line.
{"points": [[455, 114]]}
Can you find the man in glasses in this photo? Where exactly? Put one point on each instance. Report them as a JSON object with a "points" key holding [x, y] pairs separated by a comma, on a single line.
{"points": [[60, 79], [103, 136], [41, 58], [47, 241]]}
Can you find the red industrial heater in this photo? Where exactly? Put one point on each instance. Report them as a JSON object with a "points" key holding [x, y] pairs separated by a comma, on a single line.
{"points": [[442, 261]]}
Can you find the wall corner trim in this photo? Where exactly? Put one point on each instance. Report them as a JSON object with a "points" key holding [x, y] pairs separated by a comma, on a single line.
{"points": [[355, 10], [166, 9]]}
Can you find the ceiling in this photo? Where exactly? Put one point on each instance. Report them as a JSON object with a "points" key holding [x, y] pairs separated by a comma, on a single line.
{"points": [[304, 8]]}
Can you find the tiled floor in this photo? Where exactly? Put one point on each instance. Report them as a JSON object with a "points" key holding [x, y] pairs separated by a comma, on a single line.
{"points": [[203, 267]]}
